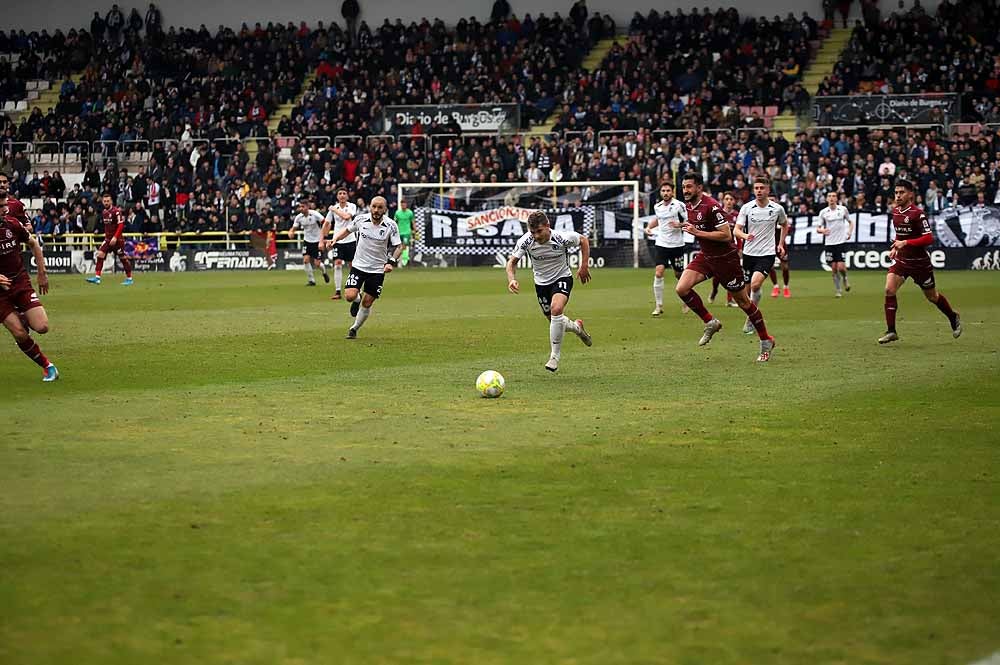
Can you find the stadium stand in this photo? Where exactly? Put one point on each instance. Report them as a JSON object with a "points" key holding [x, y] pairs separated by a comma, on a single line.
{"points": [[176, 123]]}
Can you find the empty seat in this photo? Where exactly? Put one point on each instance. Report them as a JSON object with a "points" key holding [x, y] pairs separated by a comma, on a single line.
{"points": [[770, 111], [22, 105]]}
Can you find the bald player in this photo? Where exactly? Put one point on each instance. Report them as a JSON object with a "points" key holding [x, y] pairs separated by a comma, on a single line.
{"points": [[376, 255]]}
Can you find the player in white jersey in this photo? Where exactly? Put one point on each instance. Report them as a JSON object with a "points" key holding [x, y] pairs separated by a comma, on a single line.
{"points": [[836, 224], [310, 223], [549, 252], [755, 224], [343, 252], [378, 250], [670, 217]]}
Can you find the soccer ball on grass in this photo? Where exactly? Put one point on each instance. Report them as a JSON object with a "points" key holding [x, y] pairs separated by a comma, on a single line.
{"points": [[490, 384]]}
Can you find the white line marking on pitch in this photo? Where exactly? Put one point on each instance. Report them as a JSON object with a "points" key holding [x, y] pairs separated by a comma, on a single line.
{"points": [[989, 660]]}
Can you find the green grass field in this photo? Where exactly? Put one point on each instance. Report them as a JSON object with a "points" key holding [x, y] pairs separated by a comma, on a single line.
{"points": [[219, 476]]}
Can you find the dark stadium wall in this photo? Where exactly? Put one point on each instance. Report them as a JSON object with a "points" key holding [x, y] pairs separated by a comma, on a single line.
{"points": [[63, 14]]}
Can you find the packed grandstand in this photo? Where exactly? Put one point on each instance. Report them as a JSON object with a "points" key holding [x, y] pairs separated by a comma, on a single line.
{"points": [[195, 129]]}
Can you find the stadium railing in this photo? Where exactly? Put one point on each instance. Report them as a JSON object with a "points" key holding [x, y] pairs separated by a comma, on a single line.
{"points": [[165, 240], [62, 154], [897, 127]]}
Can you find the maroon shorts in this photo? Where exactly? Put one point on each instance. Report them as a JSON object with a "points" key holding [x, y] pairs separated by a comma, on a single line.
{"points": [[106, 248], [20, 297], [921, 272], [727, 268]]}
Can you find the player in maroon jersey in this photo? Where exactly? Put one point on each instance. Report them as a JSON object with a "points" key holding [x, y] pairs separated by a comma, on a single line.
{"points": [[20, 309], [909, 250], [114, 225], [718, 257], [15, 208], [729, 207]]}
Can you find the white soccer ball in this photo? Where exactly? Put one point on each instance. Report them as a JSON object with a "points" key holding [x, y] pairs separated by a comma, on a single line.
{"points": [[490, 384]]}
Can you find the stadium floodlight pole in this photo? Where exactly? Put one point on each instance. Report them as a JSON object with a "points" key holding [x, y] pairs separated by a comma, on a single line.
{"points": [[634, 184]]}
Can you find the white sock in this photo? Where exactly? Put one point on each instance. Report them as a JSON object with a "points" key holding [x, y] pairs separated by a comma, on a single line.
{"points": [[836, 280], [362, 316], [557, 327], [658, 290], [309, 272], [338, 275], [755, 296], [322, 266]]}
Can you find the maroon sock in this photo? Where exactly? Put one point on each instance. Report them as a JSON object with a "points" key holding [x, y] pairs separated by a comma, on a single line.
{"points": [[945, 307], [784, 276], [30, 349], [774, 277], [693, 300], [127, 264], [757, 319], [100, 266], [890, 313], [715, 286]]}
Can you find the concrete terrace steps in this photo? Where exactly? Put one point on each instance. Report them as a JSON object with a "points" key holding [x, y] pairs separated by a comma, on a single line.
{"points": [[275, 119], [590, 62], [818, 69], [47, 99]]}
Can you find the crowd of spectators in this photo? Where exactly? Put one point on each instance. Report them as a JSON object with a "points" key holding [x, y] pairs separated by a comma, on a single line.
{"points": [[177, 84], [528, 61], [911, 51], [679, 71], [180, 191], [660, 91]]}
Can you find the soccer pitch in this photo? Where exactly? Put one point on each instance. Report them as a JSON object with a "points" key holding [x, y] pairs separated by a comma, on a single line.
{"points": [[219, 476]]}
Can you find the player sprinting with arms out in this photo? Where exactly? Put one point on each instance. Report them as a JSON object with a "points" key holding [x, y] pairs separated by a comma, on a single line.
{"points": [[20, 309], [371, 262], [836, 225], [718, 257], [310, 223], [114, 226], [909, 250], [342, 212], [549, 252], [670, 216], [754, 225]]}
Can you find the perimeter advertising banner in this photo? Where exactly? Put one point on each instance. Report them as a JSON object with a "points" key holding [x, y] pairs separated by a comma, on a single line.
{"points": [[470, 117], [488, 232], [967, 226], [888, 109]]}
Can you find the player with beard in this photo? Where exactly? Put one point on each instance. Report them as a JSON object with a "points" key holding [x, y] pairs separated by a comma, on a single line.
{"points": [[709, 224]]}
